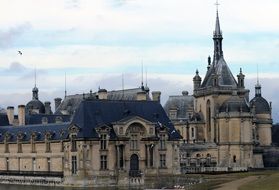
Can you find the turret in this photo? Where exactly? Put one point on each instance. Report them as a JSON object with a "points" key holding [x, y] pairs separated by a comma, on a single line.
{"points": [[197, 80], [240, 79]]}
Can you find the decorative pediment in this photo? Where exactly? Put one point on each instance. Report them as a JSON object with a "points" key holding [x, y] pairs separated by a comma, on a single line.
{"points": [[35, 135], [74, 129], [20, 136], [49, 135], [103, 129], [132, 119], [8, 136], [160, 128]]}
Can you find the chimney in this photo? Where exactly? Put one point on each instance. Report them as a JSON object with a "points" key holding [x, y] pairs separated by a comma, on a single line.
{"points": [[21, 115], [57, 102], [103, 94], [10, 114], [141, 96], [47, 108], [156, 96]]}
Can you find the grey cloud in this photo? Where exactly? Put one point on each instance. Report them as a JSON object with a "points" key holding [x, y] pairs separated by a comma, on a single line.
{"points": [[7, 38], [72, 4], [16, 67]]}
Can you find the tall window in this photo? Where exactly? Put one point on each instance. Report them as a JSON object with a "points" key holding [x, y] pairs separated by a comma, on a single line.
{"points": [[121, 156], [193, 132], [134, 141], [151, 156], [7, 163], [162, 160], [33, 144], [48, 164], [19, 146], [74, 143], [47, 146], [103, 142], [6, 145], [103, 162], [74, 165], [208, 114], [33, 164], [163, 139], [62, 146]]}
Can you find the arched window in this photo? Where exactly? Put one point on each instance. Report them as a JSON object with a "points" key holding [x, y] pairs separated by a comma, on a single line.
{"points": [[208, 115], [234, 158]]}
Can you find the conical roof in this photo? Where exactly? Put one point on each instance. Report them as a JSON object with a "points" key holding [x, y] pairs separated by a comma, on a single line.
{"points": [[223, 72]]}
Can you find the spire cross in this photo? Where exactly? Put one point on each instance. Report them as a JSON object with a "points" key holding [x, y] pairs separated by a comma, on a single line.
{"points": [[35, 76], [217, 4]]}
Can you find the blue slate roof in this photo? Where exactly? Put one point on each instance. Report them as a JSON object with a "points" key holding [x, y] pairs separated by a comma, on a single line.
{"points": [[37, 118], [58, 131], [92, 114], [4, 121]]}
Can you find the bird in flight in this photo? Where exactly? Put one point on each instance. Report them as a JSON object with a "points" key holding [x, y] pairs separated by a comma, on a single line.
{"points": [[19, 52]]}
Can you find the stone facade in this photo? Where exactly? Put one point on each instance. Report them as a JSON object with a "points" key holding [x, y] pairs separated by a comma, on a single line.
{"points": [[219, 126], [105, 143]]}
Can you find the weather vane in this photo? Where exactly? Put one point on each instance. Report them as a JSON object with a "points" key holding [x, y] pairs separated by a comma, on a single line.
{"points": [[217, 4]]}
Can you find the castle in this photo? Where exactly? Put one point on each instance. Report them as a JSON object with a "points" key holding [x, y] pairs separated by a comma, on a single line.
{"points": [[222, 130], [125, 137]]}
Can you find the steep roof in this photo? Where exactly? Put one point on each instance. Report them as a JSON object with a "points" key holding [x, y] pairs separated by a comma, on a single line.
{"points": [[71, 102], [183, 104], [58, 131], [223, 72], [92, 114]]}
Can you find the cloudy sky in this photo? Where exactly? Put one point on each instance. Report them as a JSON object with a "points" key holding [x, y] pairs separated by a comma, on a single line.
{"points": [[96, 41]]}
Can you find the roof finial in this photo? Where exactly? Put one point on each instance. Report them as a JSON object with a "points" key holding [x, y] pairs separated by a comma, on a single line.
{"points": [[217, 4], [146, 76], [65, 83], [258, 74], [35, 76], [142, 74]]}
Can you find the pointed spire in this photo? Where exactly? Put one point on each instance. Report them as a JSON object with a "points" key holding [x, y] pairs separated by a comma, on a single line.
{"points": [[35, 90], [217, 31], [217, 37], [65, 84], [258, 88]]}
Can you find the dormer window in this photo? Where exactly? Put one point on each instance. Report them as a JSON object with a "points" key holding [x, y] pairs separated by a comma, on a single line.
{"points": [[173, 113]]}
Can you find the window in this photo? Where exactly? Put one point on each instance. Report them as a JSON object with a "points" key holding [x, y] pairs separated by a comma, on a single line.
{"points": [[62, 146], [74, 165], [48, 164], [47, 146], [151, 155], [7, 163], [121, 156], [74, 143], [162, 160], [134, 142], [6, 146], [162, 141], [19, 146], [33, 144], [208, 119], [234, 159], [121, 130], [103, 162], [103, 142], [193, 132], [33, 164]]}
